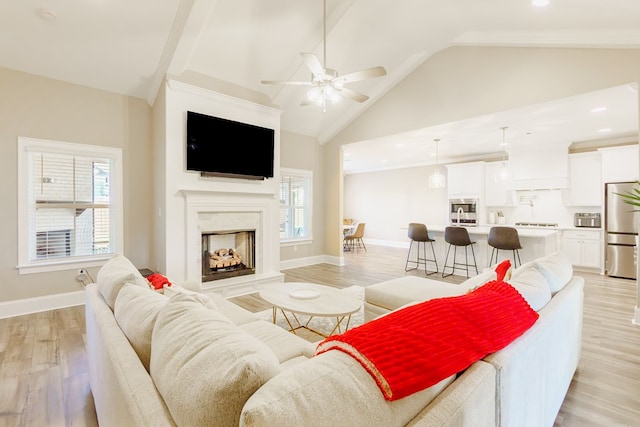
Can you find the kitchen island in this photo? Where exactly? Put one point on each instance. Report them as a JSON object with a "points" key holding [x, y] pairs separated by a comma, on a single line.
{"points": [[536, 242]]}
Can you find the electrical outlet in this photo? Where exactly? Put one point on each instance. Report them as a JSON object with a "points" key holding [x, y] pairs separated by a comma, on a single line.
{"points": [[82, 275]]}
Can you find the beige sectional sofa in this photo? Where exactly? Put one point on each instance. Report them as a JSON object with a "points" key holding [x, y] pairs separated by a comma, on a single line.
{"points": [[189, 359], [534, 372]]}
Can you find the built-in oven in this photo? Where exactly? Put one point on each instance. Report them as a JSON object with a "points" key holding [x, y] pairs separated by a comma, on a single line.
{"points": [[463, 212]]}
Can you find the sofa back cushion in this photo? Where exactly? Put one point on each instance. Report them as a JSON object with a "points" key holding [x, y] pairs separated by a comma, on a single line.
{"points": [[114, 274], [204, 366], [556, 269], [532, 286], [136, 310]]}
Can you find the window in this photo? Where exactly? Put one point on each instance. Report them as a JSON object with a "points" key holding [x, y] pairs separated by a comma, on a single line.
{"points": [[295, 205], [70, 205]]}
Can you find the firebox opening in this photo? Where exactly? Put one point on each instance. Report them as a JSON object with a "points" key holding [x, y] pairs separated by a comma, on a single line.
{"points": [[228, 253]]}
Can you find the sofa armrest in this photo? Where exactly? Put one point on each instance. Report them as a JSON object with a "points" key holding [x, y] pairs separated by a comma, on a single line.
{"points": [[123, 391], [468, 402], [534, 372]]}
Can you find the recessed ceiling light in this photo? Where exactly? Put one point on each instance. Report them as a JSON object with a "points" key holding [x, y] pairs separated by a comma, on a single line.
{"points": [[598, 109], [539, 3], [604, 130], [46, 14]]}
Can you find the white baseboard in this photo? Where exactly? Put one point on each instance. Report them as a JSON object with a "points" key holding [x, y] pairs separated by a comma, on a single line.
{"points": [[301, 262], [39, 304], [312, 260], [636, 318], [390, 243]]}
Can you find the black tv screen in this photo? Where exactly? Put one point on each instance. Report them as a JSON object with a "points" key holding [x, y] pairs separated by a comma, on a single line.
{"points": [[221, 147]]}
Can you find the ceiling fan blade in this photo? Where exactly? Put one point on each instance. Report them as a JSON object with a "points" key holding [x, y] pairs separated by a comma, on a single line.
{"points": [[368, 73], [285, 82], [351, 94], [313, 63]]}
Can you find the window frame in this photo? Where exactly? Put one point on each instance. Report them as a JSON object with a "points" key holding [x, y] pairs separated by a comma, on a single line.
{"points": [[308, 208], [28, 145]]}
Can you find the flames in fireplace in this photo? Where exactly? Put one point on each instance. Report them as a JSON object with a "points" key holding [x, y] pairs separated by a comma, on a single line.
{"points": [[227, 254]]}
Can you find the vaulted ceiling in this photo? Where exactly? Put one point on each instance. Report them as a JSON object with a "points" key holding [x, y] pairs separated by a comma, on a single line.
{"points": [[128, 47]]}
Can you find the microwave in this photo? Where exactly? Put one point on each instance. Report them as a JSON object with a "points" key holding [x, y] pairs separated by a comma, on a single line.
{"points": [[463, 212]]}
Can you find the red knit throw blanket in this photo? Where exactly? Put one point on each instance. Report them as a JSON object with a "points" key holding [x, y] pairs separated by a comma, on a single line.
{"points": [[414, 348]]}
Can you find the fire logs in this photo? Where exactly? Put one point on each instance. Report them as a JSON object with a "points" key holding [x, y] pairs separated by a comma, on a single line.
{"points": [[223, 258]]}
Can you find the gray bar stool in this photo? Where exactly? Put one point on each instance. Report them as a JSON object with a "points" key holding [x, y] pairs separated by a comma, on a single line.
{"points": [[418, 233], [505, 238], [458, 236]]}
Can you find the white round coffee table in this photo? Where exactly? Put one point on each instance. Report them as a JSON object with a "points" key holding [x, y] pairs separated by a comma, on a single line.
{"points": [[312, 300]]}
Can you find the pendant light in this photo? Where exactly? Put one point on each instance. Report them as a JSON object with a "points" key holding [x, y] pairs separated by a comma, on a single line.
{"points": [[502, 173], [437, 179]]}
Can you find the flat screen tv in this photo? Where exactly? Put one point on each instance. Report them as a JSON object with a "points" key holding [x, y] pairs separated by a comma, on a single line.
{"points": [[221, 147]]}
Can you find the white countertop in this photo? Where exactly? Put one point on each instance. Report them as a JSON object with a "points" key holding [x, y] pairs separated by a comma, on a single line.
{"points": [[484, 230]]}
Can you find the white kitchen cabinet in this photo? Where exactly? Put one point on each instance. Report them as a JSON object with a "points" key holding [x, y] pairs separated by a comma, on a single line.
{"points": [[466, 180], [583, 247], [496, 192], [585, 172], [620, 164]]}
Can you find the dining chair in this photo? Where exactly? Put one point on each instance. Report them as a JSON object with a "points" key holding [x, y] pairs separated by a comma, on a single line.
{"points": [[355, 239]]}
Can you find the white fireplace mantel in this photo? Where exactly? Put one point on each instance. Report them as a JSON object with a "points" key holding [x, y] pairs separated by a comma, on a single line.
{"points": [[257, 211]]}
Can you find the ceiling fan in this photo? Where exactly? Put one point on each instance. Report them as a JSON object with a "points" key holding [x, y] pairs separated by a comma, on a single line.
{"points": [[326, 85]]}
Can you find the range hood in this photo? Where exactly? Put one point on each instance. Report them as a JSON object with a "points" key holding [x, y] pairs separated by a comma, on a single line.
{"points": [[540, 167]]}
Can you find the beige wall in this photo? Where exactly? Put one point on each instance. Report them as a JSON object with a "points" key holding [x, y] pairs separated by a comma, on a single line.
{"points": [[464, 82], [48, 109], [303, 152], [387, 201]]}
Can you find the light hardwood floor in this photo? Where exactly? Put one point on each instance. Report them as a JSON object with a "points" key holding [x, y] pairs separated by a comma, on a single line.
{"points": [[43, 370]]}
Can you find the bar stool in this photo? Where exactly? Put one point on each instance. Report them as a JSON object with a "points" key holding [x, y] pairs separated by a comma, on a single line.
{"points": [[505, 238], [418, 233], [458, 236]]}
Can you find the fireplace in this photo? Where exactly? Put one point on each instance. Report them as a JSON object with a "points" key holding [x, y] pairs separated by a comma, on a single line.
{"points": [[228, 253]]}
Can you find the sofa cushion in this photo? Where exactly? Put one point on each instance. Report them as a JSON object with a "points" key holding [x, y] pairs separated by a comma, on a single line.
{"points": [[532, 286], [114, 274], [331, 389], [485, 276], [204, 367], [556, 269], [203, 298], [136, 310], [283, 344]]}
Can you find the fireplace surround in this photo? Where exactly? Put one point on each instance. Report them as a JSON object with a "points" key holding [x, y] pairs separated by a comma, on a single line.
{"points": [[232, 218]]}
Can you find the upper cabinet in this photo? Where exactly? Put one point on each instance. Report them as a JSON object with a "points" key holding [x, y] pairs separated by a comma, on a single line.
{"points": [[620, 164], [466, 180], [586, 179], [497, 192]]}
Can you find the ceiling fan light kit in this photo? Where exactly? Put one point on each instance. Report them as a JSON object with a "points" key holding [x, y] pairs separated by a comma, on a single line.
{"points": [[327, 87]]}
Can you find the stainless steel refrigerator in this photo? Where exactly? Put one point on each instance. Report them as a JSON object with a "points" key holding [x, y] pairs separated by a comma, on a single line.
{"points": [[621, 232]]}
